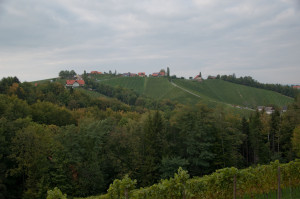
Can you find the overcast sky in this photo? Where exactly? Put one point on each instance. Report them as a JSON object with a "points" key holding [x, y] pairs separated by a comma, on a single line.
{"points": [[260, 38]]}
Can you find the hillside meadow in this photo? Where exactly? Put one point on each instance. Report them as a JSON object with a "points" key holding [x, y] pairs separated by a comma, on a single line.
{"points": [[211, 92]]}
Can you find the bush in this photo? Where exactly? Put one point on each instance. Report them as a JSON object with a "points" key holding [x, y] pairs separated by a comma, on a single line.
{"points": [[56, 194]]}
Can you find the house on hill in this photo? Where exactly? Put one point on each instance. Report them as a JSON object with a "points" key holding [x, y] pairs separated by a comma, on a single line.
{"points": [[141, 74], [155, 74], [296, 87], [198, 78], [269, 110], [96, 73], [162, 73], [126, 74], [75, 83], [260, 108]]}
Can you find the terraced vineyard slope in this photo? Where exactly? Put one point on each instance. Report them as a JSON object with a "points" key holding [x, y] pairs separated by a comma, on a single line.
{"points": [[211, 92]]}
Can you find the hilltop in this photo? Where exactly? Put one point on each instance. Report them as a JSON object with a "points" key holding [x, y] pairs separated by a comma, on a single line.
{"points": [[214, 91]]}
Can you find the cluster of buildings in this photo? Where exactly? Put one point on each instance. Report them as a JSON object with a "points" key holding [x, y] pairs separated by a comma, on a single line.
{"points": [[269, 110], [79, 82], [96, 73], [74, 83], [296, 87], [200, 79], [140, 74], [162, 73]]}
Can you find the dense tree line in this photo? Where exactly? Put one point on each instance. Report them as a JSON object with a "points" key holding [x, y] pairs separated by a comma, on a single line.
{"points": [[249, 81], [66, 74], [51, 136]]}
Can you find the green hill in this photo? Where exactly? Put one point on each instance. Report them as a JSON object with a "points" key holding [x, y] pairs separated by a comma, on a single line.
{"points": [[156, 88], [211, 92], [226, 92]]}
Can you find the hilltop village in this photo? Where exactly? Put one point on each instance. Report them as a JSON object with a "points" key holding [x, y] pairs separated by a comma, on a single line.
{"points": [[73, 80]]}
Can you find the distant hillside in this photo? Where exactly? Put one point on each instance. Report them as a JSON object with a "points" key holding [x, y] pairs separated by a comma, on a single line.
{"points": [[212, 92], [157, 88], [236, 94]]}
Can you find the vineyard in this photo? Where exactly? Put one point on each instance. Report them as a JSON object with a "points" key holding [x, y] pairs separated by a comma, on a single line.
{"points": [[210, 92], [225, 183]]}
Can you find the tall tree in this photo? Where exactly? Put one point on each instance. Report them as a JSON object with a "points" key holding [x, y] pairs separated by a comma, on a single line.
{"points": [[259, 150], [296, 140], [246, 144], [152, 148], [196, 135], [31, 149], [274, 134], [168, 71]]}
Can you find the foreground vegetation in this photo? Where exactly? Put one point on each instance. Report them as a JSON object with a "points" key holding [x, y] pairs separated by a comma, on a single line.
{"points": [[249, 182], [51, 137]]}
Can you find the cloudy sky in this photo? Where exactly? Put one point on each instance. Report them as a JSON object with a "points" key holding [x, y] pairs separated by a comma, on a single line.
{"points": [[260, 38]]}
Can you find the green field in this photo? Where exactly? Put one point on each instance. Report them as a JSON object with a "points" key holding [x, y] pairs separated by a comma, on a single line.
{"points": [[156, 88], [226, 92], [211, 92]]}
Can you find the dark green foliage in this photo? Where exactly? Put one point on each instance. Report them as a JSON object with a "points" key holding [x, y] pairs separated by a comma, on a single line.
{"points": [[13, 108], [245, 148], [7, 82], [56, 194], [31, 149], [48, 113], [65, 74], [195, 133], [51, 137], [168, 72], [229, 139], [152, 148], [258, 149], [274, 134], [170, 165]]}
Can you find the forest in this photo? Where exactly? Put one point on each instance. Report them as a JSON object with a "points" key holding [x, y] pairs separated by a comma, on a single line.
{"points": [[52, 136]]}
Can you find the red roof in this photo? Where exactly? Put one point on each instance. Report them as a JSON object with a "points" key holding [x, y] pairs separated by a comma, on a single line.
{"points": [[298, 87], [155, 74], [95, 72], [71, 82], [162, 73], [141, 73]]}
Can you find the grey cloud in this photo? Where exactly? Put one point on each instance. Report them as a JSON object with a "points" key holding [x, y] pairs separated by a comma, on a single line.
{"points": [[214, 36]]}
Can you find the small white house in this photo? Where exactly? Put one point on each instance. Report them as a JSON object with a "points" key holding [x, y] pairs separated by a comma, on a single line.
{"points": [[75, 83]]}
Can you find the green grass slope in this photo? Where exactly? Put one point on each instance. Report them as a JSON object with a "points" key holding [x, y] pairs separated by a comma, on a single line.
{"points": [[210, 92], [226, 92], [135, 83], [156, 88]]}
